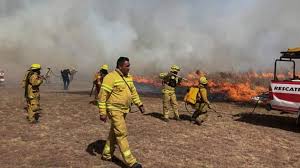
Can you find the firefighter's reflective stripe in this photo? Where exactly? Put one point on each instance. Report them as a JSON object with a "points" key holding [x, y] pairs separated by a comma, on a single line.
{"points": [[102, 105], [168, 91], [106, 149], [117, 107], [127, 153], [162, 75], [106, 87]]}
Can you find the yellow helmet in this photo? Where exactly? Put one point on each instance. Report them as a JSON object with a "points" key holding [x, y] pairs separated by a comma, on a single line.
{"points": [[35, 66], [175, 68], [203, 80], [105, 67]]}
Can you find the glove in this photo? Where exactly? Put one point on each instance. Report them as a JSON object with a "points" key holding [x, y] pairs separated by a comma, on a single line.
{"points": [[103, 118], [142, 109]]}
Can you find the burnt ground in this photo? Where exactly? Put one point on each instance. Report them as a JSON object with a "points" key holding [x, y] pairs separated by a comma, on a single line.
{"points": [[70, 135]]}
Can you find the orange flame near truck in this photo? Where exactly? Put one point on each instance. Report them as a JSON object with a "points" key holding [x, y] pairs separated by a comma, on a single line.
{"points": [[236, 86]]}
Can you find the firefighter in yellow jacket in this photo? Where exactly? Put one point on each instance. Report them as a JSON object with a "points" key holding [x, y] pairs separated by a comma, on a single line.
{"points": [[170, 81], [99, 76], [202, 104], [32, 94], [115, 98]]}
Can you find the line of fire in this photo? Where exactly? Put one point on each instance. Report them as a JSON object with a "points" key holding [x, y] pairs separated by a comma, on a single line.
{"points": [[274, 91]]}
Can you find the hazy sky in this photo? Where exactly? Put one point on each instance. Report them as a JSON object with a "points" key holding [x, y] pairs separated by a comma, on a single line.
{"points": [[215, 35]]}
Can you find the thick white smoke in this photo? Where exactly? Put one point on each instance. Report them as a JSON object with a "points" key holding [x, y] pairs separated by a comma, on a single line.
{"points": [[212, 35]]}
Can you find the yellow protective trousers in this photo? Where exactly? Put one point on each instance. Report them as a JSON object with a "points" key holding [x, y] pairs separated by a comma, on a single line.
{"points": [[169, 98], [118, 136], [33, 106], [201, 112]]}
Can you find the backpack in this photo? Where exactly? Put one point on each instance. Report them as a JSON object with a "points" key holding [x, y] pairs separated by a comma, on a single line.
{"points": [[170, 79], [27, 82], [192, 95]]}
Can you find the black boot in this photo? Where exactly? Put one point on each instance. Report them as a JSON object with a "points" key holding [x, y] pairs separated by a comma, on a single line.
{"points": [[177, 118], [165, 119], [136, 165], [36, 116], [195, 115]]}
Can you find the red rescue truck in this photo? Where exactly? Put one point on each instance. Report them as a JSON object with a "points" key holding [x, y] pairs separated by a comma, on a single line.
{"points": [[284, 94]]}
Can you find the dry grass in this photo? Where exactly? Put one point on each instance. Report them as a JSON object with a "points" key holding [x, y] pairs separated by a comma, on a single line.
{"points": [[70, 135]]}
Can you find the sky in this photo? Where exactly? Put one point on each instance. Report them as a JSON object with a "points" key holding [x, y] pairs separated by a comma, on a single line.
{"points": [[211, 35]]}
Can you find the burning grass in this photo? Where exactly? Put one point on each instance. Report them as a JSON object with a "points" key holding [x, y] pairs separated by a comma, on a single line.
{"points": [[233, 86]]}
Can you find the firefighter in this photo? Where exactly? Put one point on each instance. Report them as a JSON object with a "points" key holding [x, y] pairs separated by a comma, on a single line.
{"points": [[32, 94], [115, 97], [2, 79], [65, 74], [202, 104], [170, 81], [99, 78]]}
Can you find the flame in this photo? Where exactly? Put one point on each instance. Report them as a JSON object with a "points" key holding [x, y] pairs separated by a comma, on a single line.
{"points": [[237, 92], [147, 80], [236, 86]]}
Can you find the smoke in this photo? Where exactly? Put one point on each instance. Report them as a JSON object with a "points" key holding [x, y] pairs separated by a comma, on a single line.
{"points": [[208, 35]]}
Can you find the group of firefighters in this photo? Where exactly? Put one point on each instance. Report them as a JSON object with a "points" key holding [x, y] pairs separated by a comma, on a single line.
{"points": [[170, 81], [115, 93]]}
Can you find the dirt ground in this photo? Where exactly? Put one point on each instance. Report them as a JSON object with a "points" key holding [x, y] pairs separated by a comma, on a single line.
{"points": [[70, 134]]}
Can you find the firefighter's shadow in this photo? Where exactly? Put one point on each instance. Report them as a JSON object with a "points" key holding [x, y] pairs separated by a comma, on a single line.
{"points": [[74, 92], [156, 115], [282, 122], [185, 117], [160, 116], [96, 148]]}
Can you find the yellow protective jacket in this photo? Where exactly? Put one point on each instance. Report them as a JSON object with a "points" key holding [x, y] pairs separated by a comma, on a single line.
{"points": [[116, 95], [166, 77], [203, 94], [23, 83], [33, 81]]}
